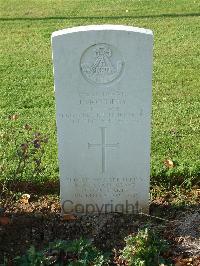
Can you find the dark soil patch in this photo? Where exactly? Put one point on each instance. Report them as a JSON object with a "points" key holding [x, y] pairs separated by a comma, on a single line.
{"points": [[38, 222]]}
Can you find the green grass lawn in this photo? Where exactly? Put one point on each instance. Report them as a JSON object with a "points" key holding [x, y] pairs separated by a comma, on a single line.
{"points": [[26, 80]]}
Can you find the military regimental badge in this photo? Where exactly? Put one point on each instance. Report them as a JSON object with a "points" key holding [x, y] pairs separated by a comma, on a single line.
{"points": [[101, 64]]}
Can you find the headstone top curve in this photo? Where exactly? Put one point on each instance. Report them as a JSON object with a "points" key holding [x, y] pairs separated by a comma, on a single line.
{"points": [[101, 27]]}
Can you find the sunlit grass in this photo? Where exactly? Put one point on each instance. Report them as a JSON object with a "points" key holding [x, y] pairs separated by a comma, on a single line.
{"points": [[27, 77]]}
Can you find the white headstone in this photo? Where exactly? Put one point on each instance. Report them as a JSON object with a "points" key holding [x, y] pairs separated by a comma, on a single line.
{"points": [[103, 80]]}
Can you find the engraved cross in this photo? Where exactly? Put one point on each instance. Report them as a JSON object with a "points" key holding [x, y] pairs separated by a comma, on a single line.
{"points": [[103, 146]]}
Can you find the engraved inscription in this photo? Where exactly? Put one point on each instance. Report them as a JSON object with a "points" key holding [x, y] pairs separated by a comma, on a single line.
{"points": [[103, 146], [113, 186], [99, 117], [101, 64], [103, 107]]}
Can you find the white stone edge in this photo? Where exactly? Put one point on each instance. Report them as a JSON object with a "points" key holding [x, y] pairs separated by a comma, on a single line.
{"points": [[101, 27]]}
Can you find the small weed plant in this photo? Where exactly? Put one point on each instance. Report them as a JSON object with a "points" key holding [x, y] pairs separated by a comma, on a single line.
{"points": [[143, 249], [21, 154], [70, 253]]}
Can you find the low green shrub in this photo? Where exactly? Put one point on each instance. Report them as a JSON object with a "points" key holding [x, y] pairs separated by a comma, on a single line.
{"points": [[143, 249], [70, 253]]}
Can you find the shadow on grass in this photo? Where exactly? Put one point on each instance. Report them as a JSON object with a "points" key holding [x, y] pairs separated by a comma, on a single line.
{"points": [[48, 187], [103, 17]]}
